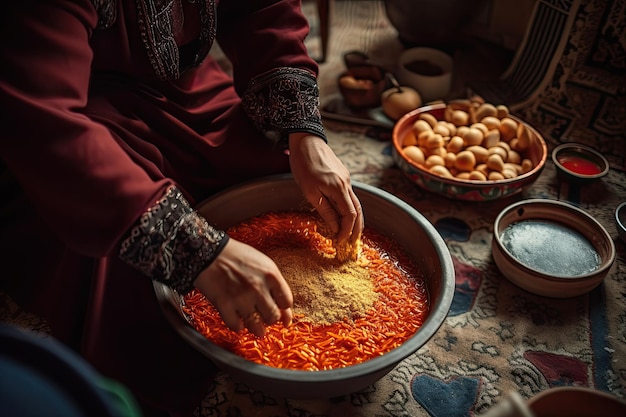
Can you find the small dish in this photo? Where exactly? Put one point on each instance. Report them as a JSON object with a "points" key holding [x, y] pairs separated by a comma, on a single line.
{"points": [[360, 92], [427, 70], [551, 248], [363, 83], [620, 220], [576, 401], [579, 163]]}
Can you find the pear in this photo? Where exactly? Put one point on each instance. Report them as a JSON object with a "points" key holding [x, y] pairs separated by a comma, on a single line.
{"points": [[399, 100]]}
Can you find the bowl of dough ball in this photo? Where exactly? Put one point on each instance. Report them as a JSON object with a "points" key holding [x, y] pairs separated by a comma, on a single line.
{"points": [[465, 150]]}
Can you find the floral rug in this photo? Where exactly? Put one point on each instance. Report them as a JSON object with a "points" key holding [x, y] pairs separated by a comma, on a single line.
{"points": [[497, 338]]}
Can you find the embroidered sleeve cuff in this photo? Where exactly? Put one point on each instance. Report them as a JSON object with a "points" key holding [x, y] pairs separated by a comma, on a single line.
{"points": [[172, 243], [283, 101]]}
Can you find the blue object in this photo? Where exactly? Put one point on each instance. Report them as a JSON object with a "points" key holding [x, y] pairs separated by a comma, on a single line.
{"points": [[40, 377]]}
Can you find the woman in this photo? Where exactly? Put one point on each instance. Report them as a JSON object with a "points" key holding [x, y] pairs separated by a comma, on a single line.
{"points": [[115, 123]]}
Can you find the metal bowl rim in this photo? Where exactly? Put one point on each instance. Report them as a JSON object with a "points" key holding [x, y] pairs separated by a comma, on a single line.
{"points": [[431, 325]]}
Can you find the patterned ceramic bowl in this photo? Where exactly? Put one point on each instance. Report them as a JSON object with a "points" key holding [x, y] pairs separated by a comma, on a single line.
{"points": [[551, 248], [464, 189]]}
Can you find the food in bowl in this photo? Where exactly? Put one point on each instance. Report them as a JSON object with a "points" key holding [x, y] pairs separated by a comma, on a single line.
{"points": [[472, 144], [360, 92], [345, 312], [384, 212], [579, 163], [551, 248], [468, 151]]}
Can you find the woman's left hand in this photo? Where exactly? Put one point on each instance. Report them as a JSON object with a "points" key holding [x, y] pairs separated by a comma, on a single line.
{"points": [[325, 182]]}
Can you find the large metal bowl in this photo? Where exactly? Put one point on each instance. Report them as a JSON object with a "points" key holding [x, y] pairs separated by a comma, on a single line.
{"points": [[384, 213]]}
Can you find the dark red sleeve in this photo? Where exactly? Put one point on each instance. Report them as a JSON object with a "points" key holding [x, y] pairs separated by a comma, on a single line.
{"points": [[73, 171], [262, 35]]}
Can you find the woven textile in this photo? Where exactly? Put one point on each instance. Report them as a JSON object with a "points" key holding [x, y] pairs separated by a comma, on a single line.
{"points": [[585, 100], [497, 338]]}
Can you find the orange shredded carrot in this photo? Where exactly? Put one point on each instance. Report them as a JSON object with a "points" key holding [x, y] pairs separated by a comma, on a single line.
{"points": [[400, 310]]}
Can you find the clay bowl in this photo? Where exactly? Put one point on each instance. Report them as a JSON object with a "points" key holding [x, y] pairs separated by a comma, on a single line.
{"points": [[551, 248], [579, 163], [620, 221], [427, 70], [576, 401], [464, 189], [362, 86], [383, 212]]}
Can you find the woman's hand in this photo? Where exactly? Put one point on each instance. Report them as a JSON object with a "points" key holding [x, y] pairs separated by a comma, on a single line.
{"points": [[325, 182], [247, 289]]}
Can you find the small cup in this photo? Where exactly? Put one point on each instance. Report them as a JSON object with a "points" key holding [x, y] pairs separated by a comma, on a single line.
{"points": [[579, 163], [427, 70]]}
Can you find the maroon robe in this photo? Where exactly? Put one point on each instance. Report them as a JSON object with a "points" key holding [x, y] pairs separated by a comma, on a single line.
{"points": [[91, 136]]}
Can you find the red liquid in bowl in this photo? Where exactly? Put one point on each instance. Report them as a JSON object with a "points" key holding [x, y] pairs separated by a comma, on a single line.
{"points": [[579, 165]]}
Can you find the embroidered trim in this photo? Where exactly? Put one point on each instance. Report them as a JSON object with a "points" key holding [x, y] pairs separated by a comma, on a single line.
{"points": [[282, 101], [107, 12], [155, 25], [172, 243]]}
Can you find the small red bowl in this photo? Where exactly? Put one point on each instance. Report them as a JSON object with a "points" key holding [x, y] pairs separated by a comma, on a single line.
{"points": [[579, 163]]}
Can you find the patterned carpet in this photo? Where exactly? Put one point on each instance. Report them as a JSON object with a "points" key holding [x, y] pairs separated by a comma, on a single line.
{"points": [[497, 338]]}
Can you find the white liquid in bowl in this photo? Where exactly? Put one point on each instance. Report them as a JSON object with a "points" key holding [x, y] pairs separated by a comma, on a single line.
{"points": [[550, 248]]}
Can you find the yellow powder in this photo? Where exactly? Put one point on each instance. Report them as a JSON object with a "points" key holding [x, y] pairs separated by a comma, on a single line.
{"points": [[347, 251], [325, 290]]}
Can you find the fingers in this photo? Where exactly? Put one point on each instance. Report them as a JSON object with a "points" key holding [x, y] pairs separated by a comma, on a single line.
{"points": [[254, 322], [266, 309], [325, 181], [359, 223], [265, 315], [284, 300], [247, 289], [254, 316], [343, 215], [329, 214]]}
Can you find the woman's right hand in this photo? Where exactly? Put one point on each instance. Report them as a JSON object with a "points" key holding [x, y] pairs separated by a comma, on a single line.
{"points": [[247, 289]]}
